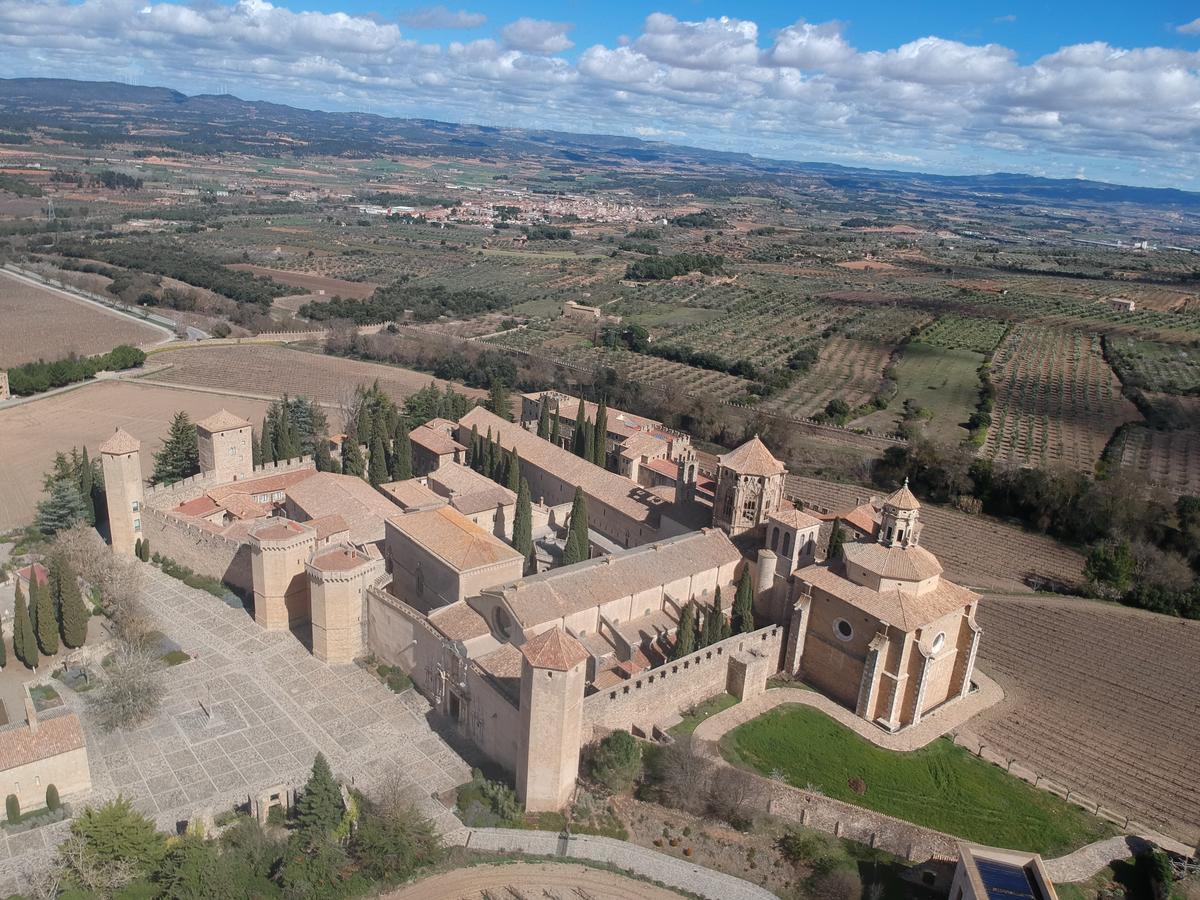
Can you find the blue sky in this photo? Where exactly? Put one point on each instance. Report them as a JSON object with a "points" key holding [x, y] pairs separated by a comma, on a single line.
{"points": [[1100, 90]]}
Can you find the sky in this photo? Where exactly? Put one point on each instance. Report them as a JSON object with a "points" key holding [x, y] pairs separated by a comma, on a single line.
{"points": [[1101, 90]]}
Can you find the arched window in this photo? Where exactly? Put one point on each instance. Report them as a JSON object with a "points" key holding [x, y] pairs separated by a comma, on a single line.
{"points": [[900, 536], [787, 543], [775, 538]]}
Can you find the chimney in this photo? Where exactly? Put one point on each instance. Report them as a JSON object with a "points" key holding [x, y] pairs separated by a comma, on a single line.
{"points": [[31, 714]]}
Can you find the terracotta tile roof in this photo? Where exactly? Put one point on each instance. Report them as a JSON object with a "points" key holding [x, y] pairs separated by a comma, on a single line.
{"points": [[442, 425], [339, 559], [364, 508], [554, 649], [912, 563], [435, 440], [620, 423], [644, 444], [663, 467], [609, 678], [903, 609], [616, 491], [243, 506], [411, 493], [865, 518], [793, 518], [327, 526], [27, 573], [468, 490], [504, 666], [560, 592], [454, 538], [458, 621], [20, 745], [278, 529], [200, 506], [222, 420], [120, 442], [903, 498], [752, 458], [267, 484]]}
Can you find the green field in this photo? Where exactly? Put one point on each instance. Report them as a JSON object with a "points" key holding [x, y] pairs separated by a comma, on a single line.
{"points": [[942, 382], [1155, 366], [940, 786]]}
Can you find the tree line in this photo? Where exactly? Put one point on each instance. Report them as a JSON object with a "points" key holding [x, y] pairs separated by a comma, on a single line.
{"points": [[36, 377], [401, 300], [658, 268]]}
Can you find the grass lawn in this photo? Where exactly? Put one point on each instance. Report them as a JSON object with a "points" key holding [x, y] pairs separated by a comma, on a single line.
{"points": [[940, 786], [942, 381], [698, 714]]}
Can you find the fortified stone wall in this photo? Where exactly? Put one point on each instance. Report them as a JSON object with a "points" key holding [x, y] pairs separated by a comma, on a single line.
{"points": [[200, 550], [166, 496], [656, 695]]}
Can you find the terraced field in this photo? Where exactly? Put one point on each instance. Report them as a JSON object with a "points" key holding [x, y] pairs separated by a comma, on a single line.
{"points": [[1098, 698], [1057, 401]]}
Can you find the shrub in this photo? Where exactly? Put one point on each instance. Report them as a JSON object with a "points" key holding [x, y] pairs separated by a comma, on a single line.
{"points": [[616, 761], [52, 801], [12, 806]]}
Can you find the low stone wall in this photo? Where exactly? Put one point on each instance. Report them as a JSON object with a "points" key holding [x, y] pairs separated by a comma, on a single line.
{"points": [[657, 695], [200, 550]]}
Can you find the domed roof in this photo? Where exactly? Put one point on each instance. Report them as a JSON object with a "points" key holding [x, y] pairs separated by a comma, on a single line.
{"points": [[911, 563], [752, 458], [903, 499]]}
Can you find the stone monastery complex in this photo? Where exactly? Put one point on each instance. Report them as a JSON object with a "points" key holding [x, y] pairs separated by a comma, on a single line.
{"points": [[532, 667]]}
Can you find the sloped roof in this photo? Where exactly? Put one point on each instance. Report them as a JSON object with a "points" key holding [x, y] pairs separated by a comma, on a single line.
{"points": [[435, 440], [554, 649], [121, 441], [411, 493], [340, 558], [364, 508], [328, 525], [222, 420], [793, 518], [752, 458], [560, 592], [458, 621], [452, 537], [278, 529], [468, 490], [903, 609], [20, 745], [903, 499], [911, 563], [28, 572]]}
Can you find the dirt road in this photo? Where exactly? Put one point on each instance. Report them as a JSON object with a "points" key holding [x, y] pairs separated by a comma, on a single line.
{"points": [[550, 881]]}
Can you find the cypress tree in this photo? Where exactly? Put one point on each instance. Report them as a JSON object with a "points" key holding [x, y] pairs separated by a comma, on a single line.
{"points": [[256, 459], [523, 523], [543, 425], [87, 487], [589, 442], [498, 400], [179, 457], [685, 635], [319, 809], [35, 594], [600, 435], [73, 613], [321, 458], [720, 628], [402, 463], [499, 471], [3, 649], [377, 472], [18, 605], [836, 540], [473, 448], [514, 471], [577, 436], [137, 548], [352, 460], [489, 455], [22, 627], [47, 622], [555, 431], [266, 444], [743, 603], [578, 547]]}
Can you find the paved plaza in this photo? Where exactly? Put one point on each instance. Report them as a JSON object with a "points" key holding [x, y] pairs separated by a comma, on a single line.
{"points": [[248, 712]]}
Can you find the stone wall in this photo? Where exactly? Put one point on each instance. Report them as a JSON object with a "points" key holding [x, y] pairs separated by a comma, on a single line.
{"points": [[200, 550], [166, 496], [657, 695], [66, 771]]}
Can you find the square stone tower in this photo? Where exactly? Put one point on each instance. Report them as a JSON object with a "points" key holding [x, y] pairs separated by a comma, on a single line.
{"points": [[122, 465], [279, 553], [336, 581], [224, 442], [553, 673]]}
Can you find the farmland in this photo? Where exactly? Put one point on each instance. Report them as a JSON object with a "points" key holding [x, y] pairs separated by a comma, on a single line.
{"points": [[1155, 366], [313, 283], [1168, 458], [32, 433], [846, 369], [1097, 699], [42, 323], [1057, 401], [944, 384], [964, 333]]}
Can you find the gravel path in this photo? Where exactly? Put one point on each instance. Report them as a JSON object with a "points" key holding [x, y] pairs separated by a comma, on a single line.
{"points": [[551, 881]]}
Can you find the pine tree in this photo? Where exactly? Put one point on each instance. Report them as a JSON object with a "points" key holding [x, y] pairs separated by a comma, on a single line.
{"points": [[743, 603], [513, 481], [402, 462], [352, 460], [522, 532], [47, 622], [23, 630], [377, 466], [319, 809], [600, 436], [685, 635], [577, 436], [578, 546], [62, 509], [498, 400], [86, 487], [179, 457], [73, 613], [555, 431]]}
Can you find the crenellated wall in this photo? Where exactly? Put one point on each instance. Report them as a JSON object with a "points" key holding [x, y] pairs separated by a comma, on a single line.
{"points": [[197, 548], [166, 496]]}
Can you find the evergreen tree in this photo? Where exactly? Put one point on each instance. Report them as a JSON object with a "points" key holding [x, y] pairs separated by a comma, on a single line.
{"points": [[73, 613], [47, 622], [836, 540], [489, 455], [589, 442], [500, 472], [523, 523], [352, 460], [18, 605], [743, 603], [543, 425], [3, 649], [87, 476], [26, 650], [685, 635], [256, 458], [266, 443], [319, 809], [377, 465], [578, 547], [513, 482], [720, 627], [179, 457], [577, 436], [600, 436], [137, 548], [498, 400], [473, 448], [35, 588], [555, 431], [321, 458], [62, 509], [402, 462]]}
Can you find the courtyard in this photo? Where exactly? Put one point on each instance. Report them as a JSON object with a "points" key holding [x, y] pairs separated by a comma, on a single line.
{"points": [[249, 711]]}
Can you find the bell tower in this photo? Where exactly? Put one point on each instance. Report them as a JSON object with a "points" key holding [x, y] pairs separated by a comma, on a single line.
{"points": [[899, 524]]}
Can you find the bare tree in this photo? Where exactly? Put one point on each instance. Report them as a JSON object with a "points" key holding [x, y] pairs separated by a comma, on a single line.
{"points": [[117, 579], [97, 878], [132, 690], [735, 796]]}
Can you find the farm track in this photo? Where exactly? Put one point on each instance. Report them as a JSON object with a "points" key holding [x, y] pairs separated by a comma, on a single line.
{"points": [[1099, 698], [976, 551]]}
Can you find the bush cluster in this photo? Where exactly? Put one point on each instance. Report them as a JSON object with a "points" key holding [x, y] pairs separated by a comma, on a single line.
{"points": [[35, 377]]}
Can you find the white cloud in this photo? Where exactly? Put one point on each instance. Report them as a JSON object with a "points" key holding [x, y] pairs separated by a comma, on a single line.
{"points": [[803, 91], [537, 35], [1192, 27], [441, 17]]}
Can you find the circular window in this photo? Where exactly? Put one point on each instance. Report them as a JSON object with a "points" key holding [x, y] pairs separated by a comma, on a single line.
{"points": [[938, 642], [843, 629]]}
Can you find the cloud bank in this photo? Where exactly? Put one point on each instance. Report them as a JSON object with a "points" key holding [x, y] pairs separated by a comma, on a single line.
{"points": [[801, 92]]}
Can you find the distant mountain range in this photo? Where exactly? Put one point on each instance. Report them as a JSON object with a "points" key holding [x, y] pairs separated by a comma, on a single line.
{"points": [[98, 113]]}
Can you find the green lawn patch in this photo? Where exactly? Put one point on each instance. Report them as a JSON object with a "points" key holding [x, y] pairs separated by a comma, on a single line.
{"points": [[698, 714], [941, 786]]}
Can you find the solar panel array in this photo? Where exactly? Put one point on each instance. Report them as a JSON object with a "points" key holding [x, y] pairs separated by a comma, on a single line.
{"points": [[1004, 881]]}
